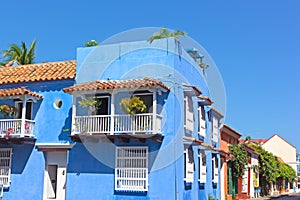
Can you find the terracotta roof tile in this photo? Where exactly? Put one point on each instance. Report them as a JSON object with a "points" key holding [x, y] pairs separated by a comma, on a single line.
{"points": [[18, 92], [38, 72], [207, 100], [116, 84]]}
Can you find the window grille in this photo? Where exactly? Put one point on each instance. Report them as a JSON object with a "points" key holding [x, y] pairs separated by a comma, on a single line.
{"points": [[5, 166], [131, 169]]}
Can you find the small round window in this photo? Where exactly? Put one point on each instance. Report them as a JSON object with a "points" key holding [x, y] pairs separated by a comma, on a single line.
{"points": [[57, 104]]}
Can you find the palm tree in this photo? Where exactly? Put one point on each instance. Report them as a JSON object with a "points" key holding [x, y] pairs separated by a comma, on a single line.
{"points": [[165, 33], [19, 53]]}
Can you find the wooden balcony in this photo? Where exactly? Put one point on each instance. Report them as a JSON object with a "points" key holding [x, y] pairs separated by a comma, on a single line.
{"points": [[13, 128], [16, 131], [117, 124]]}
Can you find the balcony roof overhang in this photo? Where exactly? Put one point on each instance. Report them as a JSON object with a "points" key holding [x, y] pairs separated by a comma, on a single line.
{"points": [[18, 93], [191, 90], [54, 147], [117, 85], [205, 101]]}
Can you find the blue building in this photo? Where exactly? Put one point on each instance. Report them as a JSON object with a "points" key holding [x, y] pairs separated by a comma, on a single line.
{"points": [[67, 137]]}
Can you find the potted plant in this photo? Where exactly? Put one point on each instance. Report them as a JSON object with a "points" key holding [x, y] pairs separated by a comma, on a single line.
{"points": [[91, 103], [7, 110], [133, 105]]}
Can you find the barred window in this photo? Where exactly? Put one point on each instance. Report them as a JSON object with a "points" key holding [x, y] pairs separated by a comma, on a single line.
{"points": [[131, 169], [5, 166]]}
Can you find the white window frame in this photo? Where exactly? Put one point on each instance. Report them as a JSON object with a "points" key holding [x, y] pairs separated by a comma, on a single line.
{"points": [[245, 181], [201, 121], [188, 114], [202, 167], [188, 168], [215, 129], [131, 168], [5, 170], [150, 107], [215, 169], [19, 105]]}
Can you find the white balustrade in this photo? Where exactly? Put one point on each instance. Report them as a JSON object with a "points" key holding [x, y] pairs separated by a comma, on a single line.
{"points": [[130, 124], [12, 128]]}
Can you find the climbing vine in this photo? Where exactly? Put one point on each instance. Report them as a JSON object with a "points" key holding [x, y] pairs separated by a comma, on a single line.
{"points": [[240, 159]]}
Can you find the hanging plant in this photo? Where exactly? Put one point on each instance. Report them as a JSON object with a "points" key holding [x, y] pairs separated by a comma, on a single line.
{"points": [[7, 110], [133, 105]]}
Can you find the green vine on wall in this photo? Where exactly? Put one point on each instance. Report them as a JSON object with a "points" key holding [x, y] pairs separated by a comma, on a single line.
{"points": [[240, 159]]}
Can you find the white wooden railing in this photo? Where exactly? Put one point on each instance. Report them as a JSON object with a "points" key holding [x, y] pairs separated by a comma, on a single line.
{"points": [[117, 124], [13, 128]]}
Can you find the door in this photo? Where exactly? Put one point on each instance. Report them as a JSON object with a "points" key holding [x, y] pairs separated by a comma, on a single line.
{"points": [[52, 173], [55, 176]]}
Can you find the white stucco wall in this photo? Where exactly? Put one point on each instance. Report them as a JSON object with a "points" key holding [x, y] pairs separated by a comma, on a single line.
{"points": [[281, 148]]}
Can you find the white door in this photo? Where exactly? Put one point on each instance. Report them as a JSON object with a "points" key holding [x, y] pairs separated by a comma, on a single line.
{"points": [[55, 176]]}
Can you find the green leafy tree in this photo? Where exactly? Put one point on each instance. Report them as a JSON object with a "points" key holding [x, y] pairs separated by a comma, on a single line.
{"points": [[165, 33], [19, 53], [91, 43]]}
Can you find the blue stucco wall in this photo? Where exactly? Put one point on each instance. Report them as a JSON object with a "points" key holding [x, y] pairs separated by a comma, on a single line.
{"points": [[51, 125], [136, 60], [90, 173]]}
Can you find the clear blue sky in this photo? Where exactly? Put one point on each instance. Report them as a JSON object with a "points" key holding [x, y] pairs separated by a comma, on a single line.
{"points": [[255, 45]]}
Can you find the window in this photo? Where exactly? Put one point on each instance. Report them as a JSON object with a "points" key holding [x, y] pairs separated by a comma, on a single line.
{"points": [[215, 170], [131, 169], [215, 129], [201, 122], [19, 106], [147, 98], [202, 167], [5, 166], [188, 114], [188, 165]]}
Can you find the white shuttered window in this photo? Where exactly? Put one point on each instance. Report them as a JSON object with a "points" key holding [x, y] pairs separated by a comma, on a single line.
{"points": [[202, 167], [131, 169], [5, 166], [188, 113]]}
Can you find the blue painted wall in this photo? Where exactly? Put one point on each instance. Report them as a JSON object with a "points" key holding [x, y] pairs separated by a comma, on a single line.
{"points": [[90, 168], [51, 125], [136, 60]]}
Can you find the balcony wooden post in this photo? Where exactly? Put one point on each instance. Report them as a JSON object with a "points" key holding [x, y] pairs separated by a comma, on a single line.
{"points": [[73, 130], [154, 106], [24, 101], [112, 113]]}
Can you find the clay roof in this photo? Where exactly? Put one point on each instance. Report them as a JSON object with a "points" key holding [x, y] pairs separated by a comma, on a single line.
{"points": [[38, 72], [116, 84], [258, 141], [217, 112], [229, 130], [195, 89], [17, 92], [207, 99]]}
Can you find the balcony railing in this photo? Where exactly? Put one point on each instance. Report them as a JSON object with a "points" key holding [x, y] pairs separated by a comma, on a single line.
{"points": [[118, 124], [13, 128]]}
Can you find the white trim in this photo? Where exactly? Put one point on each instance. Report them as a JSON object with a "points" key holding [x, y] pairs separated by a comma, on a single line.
{"points": [[131, 168], [202, 173], [5, 170]]}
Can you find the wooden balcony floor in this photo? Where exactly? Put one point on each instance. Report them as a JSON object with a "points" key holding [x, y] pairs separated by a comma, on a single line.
{"points": [[125, 138]]}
